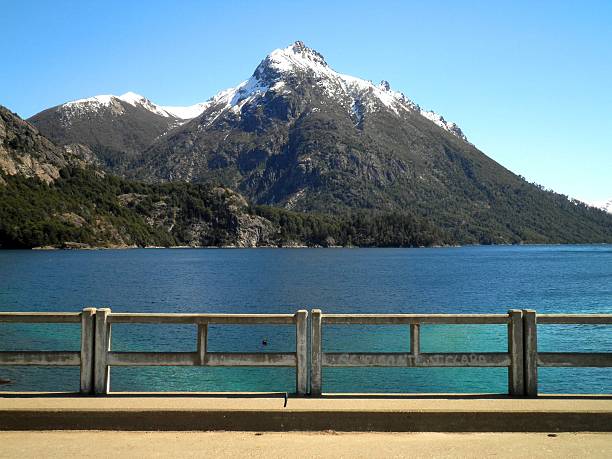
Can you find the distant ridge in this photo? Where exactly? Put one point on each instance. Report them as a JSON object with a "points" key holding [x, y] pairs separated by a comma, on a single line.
{"points": [[76, 108], [116, 128]]}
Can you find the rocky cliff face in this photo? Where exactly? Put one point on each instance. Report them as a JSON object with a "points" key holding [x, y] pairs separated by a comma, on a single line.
{"points": [[231, 224], [24, 151]]}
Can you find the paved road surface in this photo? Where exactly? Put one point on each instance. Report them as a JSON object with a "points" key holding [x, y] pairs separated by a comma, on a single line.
{"points": [[67, 444]]}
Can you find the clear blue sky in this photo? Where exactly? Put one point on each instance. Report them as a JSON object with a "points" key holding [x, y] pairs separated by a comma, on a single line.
{"points": [[529, 82]]}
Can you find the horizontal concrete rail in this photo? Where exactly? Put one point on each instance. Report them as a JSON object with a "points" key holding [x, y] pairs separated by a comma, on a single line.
{"points": [[513, 359], [575, 319], [399, 319], [534, 358], [40, 317], [82, 358], [43, 358], [218, 359], [105, 357], [227, 319], [575, 359]]}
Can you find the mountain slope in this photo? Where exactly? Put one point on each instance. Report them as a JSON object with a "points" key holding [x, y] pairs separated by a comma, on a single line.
{"points": [[299, 135], [56, 196], [52, 196], [24, 151], [116, 128]]}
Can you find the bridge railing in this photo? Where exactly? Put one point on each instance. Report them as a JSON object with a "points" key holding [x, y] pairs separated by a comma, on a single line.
{"points": [[106, 358], [83, 358], [512, 359], [96, 357], [534, 359]]}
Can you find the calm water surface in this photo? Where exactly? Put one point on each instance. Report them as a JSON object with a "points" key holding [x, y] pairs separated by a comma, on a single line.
{"points": [[441, 280]]}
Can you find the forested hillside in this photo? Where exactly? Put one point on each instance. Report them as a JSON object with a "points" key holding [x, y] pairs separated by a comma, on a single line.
{"points": [[83, 208]]}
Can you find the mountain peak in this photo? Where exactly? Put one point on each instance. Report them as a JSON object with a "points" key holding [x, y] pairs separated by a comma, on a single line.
{"points": [[308, 53], [133, 98], [299, 46], [384, 85], [137, 100], [296, 56], [282, 66]]}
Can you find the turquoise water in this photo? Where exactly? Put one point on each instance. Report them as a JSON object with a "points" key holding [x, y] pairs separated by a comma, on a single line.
{"points": [[438, 280]]}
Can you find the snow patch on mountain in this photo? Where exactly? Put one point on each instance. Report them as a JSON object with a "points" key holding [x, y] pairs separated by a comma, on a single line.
{"points": [[235, 98], [186, 113], [440, 121], [246, 92], [94, 104], [89, 104], [138, 100]]}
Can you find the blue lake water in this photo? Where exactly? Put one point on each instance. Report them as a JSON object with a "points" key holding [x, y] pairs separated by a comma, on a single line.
{"points": [[576, 279]]}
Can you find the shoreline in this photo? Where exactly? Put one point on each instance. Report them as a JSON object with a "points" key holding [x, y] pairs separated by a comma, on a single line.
{"points": [[85, 247]]}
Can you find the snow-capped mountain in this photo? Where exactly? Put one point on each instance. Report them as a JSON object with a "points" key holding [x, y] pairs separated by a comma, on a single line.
{"points": [[359, 97], [116, 128], [120, 128], [298, 133]]}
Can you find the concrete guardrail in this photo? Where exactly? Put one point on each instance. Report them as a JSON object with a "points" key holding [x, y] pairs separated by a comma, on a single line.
{"points": [[96, 356]]}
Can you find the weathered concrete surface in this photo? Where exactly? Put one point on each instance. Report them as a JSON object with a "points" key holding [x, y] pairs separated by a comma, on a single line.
{"points": [[69, 444], [306, 414]]}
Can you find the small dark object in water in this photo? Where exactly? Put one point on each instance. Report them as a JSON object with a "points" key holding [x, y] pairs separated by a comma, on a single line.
{"points": [[264, 342], [5, 381]]}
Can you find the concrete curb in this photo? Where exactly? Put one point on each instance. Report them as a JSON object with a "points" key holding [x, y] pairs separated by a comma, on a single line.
{"points": [[307, 420]]}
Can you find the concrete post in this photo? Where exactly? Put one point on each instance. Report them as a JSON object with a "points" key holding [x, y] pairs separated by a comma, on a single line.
{"points": [[516, 380], [102, 346], [415, 342], [202, 342], [87, 350], [530, 346], [301, 352], [316, 357]]}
